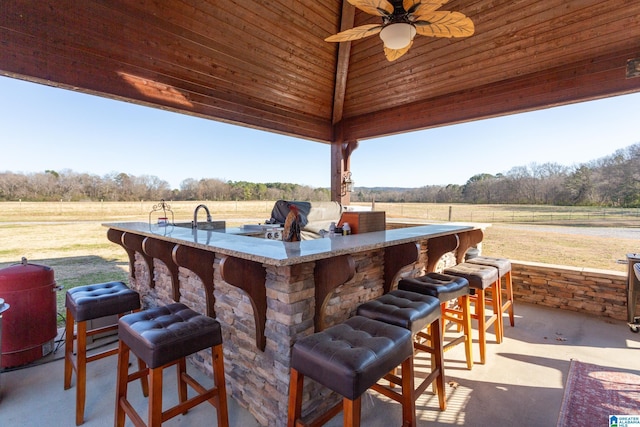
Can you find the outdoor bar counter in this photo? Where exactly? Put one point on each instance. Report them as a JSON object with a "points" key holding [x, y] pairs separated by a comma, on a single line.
{"points": [[267, 293]]}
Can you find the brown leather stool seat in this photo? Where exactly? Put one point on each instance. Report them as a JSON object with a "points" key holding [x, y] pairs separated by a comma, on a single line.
{"points": [[408, 310], [504, 270], [482, 278], [85, 303], [446, 289], [442, 286], [350, 358], [415, 312], [161, 337], [100, 300]]}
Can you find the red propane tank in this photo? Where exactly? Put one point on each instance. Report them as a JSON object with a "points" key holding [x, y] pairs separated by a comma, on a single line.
{"points": [[29, 327]]}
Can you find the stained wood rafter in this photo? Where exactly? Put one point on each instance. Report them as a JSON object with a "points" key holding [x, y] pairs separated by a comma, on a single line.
{"points": [[342, 65]]}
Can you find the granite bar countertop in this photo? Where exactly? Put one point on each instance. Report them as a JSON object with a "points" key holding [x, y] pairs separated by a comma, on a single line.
{"points": [[232, 242]]}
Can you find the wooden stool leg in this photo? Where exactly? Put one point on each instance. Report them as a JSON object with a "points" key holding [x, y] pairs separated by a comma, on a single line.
{"points": [[81, 371], [122, 382], [68, 349], [408, 402], [352, 411], [295, 397], [459, 324], [509, 289], [217, 361], [155, 397], [144, 381], [181, 369], [496, 301], [466, 328], [443, 310], [482, 338], [432, 355], [438, 362]]}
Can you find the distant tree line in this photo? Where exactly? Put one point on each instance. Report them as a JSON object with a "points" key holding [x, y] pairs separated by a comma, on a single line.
{"points": [[71, 186], [612, 181]]}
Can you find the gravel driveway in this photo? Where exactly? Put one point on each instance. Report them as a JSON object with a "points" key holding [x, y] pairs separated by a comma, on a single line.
{"points": [[615, 232]]}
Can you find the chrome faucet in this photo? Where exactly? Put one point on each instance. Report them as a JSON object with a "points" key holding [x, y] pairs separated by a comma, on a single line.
{"points": [[194, 224]]}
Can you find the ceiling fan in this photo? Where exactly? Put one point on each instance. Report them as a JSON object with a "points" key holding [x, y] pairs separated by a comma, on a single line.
{"points": [[402, 20]]}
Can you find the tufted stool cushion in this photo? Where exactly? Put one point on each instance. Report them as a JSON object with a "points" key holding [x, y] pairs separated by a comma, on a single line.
{"points": [[164, 334], [350, 357], [100, 300], [441, 286], [502, 264], [479, 276], [406, 309]]}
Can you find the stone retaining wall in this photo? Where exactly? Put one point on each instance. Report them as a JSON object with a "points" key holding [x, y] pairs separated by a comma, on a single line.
{"points": [[598, 292]]}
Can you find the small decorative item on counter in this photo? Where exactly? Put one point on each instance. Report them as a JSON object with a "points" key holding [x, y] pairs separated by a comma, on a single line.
{"points": [[332, 229], [292, 225], [346, 229], [162, 214]]}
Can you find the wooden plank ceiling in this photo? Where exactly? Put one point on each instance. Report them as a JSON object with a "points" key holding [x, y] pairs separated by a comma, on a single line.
{"points": [[265, 64]]}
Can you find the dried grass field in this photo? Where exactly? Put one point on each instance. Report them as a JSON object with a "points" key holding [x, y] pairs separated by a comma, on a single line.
{"points": [[70, 238]]}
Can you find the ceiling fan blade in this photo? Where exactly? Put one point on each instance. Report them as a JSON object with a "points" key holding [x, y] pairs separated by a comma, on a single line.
{"points": [[393, 54], [374, 7], [417, 7], [355, 33], [444, 24]]}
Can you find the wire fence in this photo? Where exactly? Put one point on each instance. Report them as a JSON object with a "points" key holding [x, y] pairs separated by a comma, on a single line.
{"points": [[261, 210], [508, 213]]}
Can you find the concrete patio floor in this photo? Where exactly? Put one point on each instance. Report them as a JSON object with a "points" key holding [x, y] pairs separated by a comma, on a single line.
{"points": [[521, 384]]}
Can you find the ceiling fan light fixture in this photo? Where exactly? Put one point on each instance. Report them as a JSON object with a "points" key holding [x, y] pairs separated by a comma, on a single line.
{"points": [[397, 35]]}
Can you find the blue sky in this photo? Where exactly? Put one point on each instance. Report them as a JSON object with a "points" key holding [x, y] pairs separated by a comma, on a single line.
{"points": [[48, 128]]}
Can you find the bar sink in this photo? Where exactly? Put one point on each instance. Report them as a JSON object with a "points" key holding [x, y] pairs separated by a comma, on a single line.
{"points": [[204, 225]]}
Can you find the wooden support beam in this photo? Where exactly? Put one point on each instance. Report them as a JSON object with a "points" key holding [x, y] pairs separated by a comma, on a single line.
{"points": [[397, 257], [250, 276], [330, 273], [201, 263], [342, 66], [163, 251]]}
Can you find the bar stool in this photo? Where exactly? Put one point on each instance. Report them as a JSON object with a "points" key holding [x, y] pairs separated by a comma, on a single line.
{"points": [[414, 312], [350, 358], [504, 270], [85, 303], [482, 278], [447, 289], [162, 337]]}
